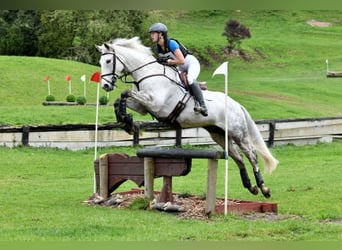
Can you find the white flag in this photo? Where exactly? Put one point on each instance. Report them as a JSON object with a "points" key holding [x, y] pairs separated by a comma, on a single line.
{"points": [[83, 78], [221, 70]]}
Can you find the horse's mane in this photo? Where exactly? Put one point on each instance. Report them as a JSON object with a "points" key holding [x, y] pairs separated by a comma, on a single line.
{"points": [[133, 43]]}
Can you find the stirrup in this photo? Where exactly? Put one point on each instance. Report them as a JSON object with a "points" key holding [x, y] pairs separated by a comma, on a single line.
{"points": [[202, 110]]}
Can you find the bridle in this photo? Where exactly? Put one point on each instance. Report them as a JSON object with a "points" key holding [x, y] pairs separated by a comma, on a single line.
{"points": [[115, 76]]}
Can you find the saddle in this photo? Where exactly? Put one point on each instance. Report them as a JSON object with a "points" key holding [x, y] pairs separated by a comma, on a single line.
{"points": [[184, 79]]}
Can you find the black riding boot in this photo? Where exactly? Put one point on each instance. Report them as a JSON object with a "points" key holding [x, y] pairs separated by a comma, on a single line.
{"points": [[199, 101]]}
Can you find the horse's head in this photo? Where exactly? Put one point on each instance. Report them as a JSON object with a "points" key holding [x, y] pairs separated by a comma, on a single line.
{"points": [[111, 66]]}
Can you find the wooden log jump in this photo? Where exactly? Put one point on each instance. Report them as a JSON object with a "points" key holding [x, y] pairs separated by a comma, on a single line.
{"points": [[150, 154], [111, 170]]}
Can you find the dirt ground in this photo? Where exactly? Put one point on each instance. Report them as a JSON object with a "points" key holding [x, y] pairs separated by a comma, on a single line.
{"points": [[316, 23], [183, 206]]}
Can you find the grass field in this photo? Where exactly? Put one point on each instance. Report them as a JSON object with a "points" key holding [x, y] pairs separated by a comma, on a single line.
{"points": [[42, 189]]}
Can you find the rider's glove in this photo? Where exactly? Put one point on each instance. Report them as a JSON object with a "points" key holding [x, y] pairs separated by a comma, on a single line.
{"points": [[162, 59]]}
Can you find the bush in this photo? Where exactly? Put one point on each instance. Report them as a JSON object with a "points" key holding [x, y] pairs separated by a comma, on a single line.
{"points": [[50, 98], [103, 100], [235, 33], [81, 100], [70, 98]]}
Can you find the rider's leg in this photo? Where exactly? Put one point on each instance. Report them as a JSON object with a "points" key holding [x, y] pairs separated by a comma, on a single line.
{"points": [[192, 66], [198, 96]]}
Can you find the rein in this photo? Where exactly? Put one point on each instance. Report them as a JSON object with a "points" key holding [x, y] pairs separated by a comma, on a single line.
{"points": [[136, 83], [123, 77]]}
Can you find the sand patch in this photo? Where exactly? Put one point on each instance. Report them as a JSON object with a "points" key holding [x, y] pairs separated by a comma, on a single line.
{"points": [[316, 23]]}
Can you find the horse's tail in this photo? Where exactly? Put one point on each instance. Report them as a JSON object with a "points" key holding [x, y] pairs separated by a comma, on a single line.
{"points": [[256, 139]]}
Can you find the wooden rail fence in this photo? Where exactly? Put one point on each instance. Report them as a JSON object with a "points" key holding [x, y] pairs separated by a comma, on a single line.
{"points": [[151, 133]]}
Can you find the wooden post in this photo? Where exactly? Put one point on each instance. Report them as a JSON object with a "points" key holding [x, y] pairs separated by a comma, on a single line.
{"points": [[166, 192], [103, 178], [211, 186], [179, 138], [25, 136], [136, 134], [148, 177]]}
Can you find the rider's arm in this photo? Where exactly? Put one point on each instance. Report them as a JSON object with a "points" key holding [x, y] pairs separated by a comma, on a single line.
{"points": [[178, 55], [179, 58]]}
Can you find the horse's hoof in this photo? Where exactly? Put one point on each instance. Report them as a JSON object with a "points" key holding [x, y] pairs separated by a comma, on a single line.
{"points": [[266, 191], [254, 190]]}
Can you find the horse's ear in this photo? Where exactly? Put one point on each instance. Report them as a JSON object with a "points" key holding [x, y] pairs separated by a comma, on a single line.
{"points": [[99, 48], [107, 46]]}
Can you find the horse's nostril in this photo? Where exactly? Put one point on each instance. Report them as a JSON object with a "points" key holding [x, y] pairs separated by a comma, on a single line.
{"points": [[106, 86]]}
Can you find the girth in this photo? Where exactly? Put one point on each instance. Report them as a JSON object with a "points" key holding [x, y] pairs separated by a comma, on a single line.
{"points": [[180, 106]]}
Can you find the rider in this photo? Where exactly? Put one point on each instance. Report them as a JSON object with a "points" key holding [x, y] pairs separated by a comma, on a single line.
{"points": [[171, 52]]}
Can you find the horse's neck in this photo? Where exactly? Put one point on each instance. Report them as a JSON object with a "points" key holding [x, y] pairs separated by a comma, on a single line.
{"points": [[144, 66], [134, 59]]}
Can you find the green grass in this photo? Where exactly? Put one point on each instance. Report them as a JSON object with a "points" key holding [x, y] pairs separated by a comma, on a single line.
{"points": [[43, 190]]}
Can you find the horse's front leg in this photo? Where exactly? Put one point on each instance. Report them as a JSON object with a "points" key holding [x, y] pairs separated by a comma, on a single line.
{"points": [[122, 117], [141, 97]]}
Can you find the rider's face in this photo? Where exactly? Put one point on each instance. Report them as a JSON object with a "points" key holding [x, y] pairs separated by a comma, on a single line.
{"points": [[154, 36]]}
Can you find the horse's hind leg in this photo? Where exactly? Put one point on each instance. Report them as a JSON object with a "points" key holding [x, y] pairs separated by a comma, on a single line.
{"points": [[252, 157], [233, 152]]}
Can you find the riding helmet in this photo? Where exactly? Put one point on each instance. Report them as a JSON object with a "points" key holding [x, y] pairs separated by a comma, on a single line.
{"points": [[158, 27]]}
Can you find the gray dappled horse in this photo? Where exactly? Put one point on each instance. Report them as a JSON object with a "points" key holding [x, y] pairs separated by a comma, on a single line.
{"points": [[157, 91]]}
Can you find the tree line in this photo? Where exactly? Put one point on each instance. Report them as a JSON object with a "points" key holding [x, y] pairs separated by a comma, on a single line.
{"points": [[72, 34], [67, 34]]}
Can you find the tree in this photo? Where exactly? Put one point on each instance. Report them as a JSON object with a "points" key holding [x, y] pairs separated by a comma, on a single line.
{"points": [[235, 33], [18, 32], [69, 34], [56, 34], [98, 26]]}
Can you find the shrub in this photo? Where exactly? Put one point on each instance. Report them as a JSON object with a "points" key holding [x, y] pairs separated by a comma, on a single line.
{"points": [[103, 100], [235, 33], [70, 98], [50, 98], [81, 100]]}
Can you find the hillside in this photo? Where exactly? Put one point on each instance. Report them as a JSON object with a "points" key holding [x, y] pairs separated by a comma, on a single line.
{"points": [[23, 79], [284, 76]]}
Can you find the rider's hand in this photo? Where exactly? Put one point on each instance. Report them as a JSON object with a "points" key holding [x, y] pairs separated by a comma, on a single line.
{"points": [[162, 59]]}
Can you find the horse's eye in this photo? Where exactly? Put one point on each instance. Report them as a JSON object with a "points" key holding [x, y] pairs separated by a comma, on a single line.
{"points": [[108, 61]]}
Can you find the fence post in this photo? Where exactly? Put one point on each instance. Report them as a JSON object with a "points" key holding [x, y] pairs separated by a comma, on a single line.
{"points": [[211, 186], [179, 138], [103, 178], [136, 134], [270, 140], [25, 136], [149, 177]]}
